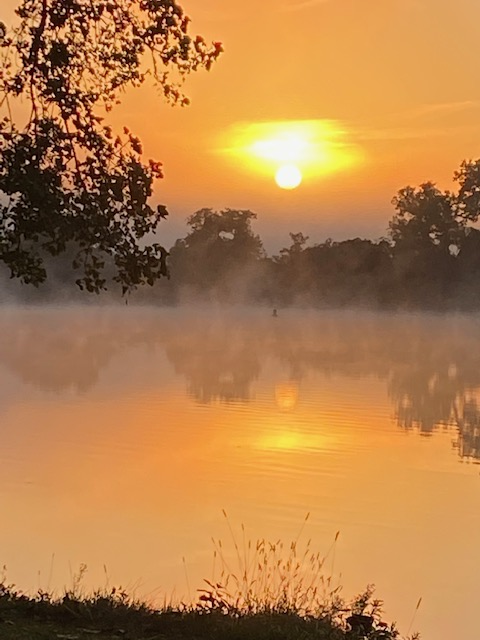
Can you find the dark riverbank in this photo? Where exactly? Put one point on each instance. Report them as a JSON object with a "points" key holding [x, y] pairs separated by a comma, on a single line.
{"points": [[114, 615]]}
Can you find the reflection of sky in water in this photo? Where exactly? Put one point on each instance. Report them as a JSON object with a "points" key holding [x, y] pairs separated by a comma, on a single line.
{"points": [[124, 433]]}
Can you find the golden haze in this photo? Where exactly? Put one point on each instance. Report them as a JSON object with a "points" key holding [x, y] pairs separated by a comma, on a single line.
{"points": [[397, 76]]}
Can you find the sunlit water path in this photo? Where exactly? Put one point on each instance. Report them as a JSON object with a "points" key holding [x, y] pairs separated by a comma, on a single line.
{"points": [[125, 432]]}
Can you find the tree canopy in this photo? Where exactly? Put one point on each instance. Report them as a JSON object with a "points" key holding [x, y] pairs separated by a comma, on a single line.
{"points": [[428, 217], [424, 217], [218, 245], [67, 180]]}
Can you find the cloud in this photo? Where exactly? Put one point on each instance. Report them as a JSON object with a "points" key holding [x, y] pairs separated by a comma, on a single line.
{"points": [[440, 108], [314, 146], [298, 5], [426, 121], [398, 133]]}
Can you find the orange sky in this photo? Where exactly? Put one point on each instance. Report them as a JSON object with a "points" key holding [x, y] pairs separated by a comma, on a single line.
{"points": [[399, 78]]}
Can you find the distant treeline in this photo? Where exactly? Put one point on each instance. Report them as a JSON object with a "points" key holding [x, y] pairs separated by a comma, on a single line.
{"points": [[430, 258]]}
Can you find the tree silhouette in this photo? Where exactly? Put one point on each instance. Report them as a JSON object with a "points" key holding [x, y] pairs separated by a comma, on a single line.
{"points": [[219, 246], [467, 202], [67, 179], [425, 217], [427, 231]]}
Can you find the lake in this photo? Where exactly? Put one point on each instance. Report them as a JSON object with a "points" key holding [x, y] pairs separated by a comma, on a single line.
{"points": [[126, 432]]}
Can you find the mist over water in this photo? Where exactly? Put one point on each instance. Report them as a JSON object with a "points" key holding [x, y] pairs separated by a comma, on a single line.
{"points": [[124, 432]]}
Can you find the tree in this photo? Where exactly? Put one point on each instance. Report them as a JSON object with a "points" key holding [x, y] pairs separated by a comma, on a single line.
{"points": [[467, 202], [299, 242], [67, 179], [219, 245], [425, 217], [434, 248]]}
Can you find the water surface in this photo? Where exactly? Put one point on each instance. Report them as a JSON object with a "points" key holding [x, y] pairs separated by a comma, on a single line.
{"points": [[125, 432]]}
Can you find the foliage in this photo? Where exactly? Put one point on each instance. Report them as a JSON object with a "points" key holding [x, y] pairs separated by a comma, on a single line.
{"points": [[114, 613], [288, 581], [467, 203], [431, 259], [299, 242], [279, 593], [425, 217], [230, 228], [66, 178], [434, 251], [218, 245]]}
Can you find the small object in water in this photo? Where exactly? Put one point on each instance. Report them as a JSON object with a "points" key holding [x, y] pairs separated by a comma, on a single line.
{"points": [[275, 314]]}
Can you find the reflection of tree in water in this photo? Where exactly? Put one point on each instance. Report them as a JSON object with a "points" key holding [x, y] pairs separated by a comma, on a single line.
{"points": [[286, 395], [219, 364], [58, 350], [423, 398], [433, 388], [431, 364], [468, 421]]}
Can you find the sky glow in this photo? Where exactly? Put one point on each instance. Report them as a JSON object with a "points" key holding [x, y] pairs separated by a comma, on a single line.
{"points": [[331, 87], [290, 150]]}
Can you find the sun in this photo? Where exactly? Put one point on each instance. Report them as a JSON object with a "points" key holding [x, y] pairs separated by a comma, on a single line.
{"points": [[288, 176], [294, 151]]}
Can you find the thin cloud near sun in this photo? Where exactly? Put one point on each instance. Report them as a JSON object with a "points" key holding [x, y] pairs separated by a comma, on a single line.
{"points": [[434, 120], [305, 4], [291, 151], [440, 109]]}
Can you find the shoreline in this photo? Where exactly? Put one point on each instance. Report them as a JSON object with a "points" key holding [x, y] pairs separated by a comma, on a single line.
{"points": [[113, 615]]}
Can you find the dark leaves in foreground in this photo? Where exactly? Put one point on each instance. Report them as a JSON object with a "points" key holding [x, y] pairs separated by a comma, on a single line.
{"points": [[67, 182]]}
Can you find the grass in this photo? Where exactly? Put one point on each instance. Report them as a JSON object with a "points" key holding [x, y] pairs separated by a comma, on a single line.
{"points": [[114, 616], [275, 592]]}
